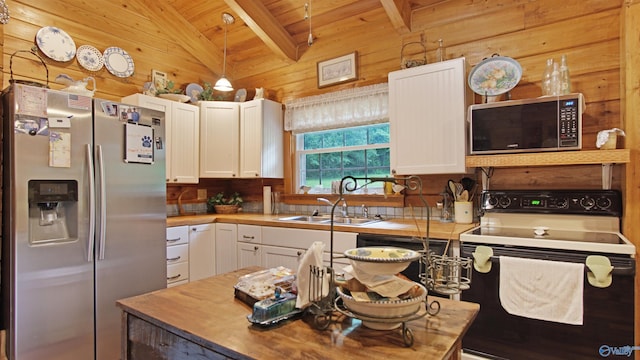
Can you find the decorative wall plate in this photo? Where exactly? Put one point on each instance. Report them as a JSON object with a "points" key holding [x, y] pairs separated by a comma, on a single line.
{"points": [[193, 91], [495, 75], [55, 43], [90, 58], [118, 62]]}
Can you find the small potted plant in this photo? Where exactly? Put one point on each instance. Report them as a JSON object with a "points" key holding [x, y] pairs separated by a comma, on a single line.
{"points": [[223, 205]]}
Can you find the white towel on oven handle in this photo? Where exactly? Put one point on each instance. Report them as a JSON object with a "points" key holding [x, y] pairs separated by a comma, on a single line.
{"points": [[542, 289]]}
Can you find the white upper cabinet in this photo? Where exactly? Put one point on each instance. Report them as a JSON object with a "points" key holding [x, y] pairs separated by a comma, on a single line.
{"points": [[182, 132], [220, 139], [241, 140], [427, 118], [261, 139]]}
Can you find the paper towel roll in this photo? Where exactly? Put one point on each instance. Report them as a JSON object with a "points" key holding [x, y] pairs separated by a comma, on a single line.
{"points": [[266, 199]]}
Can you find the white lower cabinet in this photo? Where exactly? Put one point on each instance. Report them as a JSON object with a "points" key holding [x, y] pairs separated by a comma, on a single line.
{"points": [[285, 246], [177, 255], [226, 248], [249, 245], [202, 251]]}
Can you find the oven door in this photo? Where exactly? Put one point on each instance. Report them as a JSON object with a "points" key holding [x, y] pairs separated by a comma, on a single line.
{"points": [[608, 313]]}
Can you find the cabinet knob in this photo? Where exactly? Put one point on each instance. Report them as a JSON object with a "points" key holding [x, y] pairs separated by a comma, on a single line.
{"points": [[255, 248], [300, 252]]}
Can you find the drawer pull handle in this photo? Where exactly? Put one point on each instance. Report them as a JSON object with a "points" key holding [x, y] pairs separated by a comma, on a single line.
{"points": [[174, 277], [248, 237], [173, 240], [175, 258]]}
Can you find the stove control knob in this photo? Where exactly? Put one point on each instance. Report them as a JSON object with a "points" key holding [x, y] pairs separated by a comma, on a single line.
{"points": [[562, 203], [504, 202], [587, 203], [603, 203], [491, 202]]}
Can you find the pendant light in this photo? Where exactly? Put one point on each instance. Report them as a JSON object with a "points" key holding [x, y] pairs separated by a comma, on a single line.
{"points": [[307, 16], [223, 83]]}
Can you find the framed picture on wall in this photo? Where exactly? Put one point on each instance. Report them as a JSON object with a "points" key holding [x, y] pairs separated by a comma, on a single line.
{"points": [[338, 70], [159, 79]]}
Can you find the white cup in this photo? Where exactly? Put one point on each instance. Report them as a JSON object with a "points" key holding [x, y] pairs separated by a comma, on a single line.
{"points": [[463, 212]]}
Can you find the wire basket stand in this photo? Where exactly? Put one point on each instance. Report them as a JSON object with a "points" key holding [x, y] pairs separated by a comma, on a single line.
{"points": [[439, 273]]}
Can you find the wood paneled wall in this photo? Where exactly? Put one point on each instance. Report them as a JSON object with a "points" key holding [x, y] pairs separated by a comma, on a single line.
{"points": [[530, 31]]}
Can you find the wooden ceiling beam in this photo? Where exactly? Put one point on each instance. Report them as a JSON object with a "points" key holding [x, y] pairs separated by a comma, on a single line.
{"points": [[266, 27], [399, 12], [176, 26]]}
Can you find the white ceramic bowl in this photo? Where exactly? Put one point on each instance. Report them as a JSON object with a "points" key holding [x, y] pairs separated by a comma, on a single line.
{"points": [[381, 260], [380, 315]]}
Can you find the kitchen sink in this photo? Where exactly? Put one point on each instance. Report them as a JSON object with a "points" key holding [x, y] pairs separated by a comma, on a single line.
{"points": [[326, 219], [307, 218]]}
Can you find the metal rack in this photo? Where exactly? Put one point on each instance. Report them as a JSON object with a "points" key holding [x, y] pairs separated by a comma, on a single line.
{"points": [[440, 273]]}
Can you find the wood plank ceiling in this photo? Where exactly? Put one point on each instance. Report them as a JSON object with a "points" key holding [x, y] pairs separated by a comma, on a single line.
{"points": [[267, 33]]}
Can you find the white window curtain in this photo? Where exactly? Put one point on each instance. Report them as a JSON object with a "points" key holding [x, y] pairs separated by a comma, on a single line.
{"points": [[352, 107]]}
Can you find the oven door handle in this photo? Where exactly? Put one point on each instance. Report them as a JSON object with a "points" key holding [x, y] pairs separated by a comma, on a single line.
{"points": [[617, 270]]}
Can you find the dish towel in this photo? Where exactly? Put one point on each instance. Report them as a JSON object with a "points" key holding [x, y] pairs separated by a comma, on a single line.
{"points": [[542, 289]]}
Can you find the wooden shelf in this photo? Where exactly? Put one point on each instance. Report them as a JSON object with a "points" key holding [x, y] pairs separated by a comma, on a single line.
{"points": [[583, 157]]}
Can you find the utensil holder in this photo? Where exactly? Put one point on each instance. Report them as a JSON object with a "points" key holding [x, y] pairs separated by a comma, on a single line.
{"points": [[448, 275]]}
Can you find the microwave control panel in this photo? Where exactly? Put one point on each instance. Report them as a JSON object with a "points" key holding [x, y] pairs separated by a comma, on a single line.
{"points": [[568, 123]]}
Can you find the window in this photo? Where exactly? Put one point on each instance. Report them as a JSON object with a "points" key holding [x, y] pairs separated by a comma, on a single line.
{"points": [[326, 156]]}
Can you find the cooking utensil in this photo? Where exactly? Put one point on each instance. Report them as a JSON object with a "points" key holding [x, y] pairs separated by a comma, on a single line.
{"points": [[452, 187], [467, 183]]}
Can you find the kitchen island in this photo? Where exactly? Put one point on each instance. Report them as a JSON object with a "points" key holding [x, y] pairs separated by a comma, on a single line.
{"points": [[203, 320]]}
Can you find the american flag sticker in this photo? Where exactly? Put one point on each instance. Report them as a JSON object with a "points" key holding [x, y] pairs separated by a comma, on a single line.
{"points": [[79, 102]]}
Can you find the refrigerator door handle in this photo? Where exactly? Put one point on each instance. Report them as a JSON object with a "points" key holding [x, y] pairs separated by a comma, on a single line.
{"points": [[92, 204], [103, 205]]}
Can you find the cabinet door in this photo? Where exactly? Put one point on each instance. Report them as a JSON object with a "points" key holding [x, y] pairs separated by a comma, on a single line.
{"points": [[261, 139], [427, 107], [182, 128], [274, 256], [226, 249], [249, 255], [202, 251], [219, 139], [185, 139]]}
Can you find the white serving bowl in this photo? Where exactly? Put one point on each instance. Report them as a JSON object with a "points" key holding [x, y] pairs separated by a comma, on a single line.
{"points": [[380, 314], [381, 260]]}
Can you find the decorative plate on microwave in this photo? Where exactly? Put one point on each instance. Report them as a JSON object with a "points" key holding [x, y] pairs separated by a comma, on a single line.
{"points": [[495, 75]]}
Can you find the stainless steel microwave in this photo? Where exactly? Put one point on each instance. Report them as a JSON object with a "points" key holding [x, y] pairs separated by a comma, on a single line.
{"points": [[549, 123]]}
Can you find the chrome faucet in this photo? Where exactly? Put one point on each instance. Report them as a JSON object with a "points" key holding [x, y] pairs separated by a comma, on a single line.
{"points": [[365, 211], [344, 205]]}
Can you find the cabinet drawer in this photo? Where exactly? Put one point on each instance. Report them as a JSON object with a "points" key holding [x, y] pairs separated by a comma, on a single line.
{"points": [[177, 272], [177, 253], [250, 233], [177, 235]]}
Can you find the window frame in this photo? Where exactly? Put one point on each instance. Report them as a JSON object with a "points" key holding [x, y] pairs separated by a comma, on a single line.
{"points": [[299, 152]]}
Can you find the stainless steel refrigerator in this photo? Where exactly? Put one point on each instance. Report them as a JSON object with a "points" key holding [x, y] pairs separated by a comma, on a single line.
{"points": [[83, 220]]}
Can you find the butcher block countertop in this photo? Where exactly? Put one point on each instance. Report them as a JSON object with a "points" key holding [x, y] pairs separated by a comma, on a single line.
{"points": [[402, 227], [203, 320]]}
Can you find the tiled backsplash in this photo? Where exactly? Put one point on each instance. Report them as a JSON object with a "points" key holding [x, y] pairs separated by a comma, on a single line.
{"points": [[286, 209]]}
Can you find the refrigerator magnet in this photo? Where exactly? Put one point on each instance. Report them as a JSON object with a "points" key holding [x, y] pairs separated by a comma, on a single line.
{"points": [[138, 143]]}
